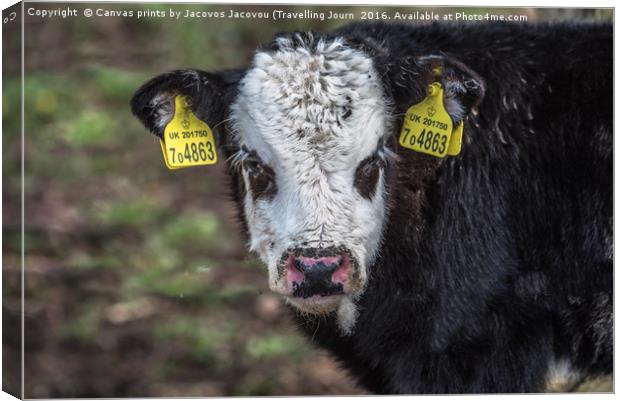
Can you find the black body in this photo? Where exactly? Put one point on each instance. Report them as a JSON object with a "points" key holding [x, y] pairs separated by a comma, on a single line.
{"points": [[498, 261], [501, 260]]}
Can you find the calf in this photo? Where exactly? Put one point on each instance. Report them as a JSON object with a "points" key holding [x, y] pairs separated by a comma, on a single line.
{"points": [[488, 270]]}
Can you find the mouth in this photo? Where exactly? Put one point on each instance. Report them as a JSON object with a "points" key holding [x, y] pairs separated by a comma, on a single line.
{"points": [[317, 304]]}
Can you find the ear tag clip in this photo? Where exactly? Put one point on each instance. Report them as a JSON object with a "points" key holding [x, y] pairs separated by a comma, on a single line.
{"points": [[454, 148], [427, 127], [188, 141]]}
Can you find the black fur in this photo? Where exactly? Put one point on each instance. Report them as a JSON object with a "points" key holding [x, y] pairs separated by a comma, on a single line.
{"points": [[210, 95], [498, 261]]}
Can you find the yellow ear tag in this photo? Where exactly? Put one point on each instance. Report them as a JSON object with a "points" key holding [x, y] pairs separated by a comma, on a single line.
{"points": [[454, 148], [427, 127], [188, 141]]}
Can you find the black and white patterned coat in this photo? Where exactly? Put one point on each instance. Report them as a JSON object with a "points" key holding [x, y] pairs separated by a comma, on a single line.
{"points": [[490, 271]]}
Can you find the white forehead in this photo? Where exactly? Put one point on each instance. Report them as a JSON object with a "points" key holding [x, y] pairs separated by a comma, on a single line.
{"points": [[322, 101]]}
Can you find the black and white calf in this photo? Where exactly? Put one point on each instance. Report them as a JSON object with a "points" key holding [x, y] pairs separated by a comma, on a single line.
{"points": [[490, 271]]}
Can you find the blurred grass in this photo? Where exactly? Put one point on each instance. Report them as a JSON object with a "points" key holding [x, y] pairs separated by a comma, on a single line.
{"points": [[83, 331], [137, 277], [273, 346], [202, 340]]}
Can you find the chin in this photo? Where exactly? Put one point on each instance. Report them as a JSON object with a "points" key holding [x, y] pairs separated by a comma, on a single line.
{"points": [[317, 304]]}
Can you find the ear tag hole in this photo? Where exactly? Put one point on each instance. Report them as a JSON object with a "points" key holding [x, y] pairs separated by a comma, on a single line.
{"points": [[187, 141]]}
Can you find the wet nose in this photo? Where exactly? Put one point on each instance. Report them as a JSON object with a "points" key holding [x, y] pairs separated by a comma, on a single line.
{"points": [[309, 276]]}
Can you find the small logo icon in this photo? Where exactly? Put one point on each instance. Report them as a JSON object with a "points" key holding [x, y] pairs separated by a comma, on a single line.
{"points": [[185, 123], [431, 111]]}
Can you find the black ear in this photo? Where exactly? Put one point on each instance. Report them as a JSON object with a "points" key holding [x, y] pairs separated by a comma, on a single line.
{"points": [[463, 87], [210, 96]]}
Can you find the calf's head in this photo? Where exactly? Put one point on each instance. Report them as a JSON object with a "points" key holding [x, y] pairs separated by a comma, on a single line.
{"points": [[308, 133]]}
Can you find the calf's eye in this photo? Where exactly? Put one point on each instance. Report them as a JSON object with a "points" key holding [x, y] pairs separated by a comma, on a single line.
{"points": [[261, 178], [367, 175]]}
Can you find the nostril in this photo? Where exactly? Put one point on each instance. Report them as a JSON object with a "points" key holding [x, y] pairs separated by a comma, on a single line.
{"points": [[341, 273], [299, 264], [294, 271]]}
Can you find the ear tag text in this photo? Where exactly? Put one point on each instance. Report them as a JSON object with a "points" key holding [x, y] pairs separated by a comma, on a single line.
{"points": [[427, 127], [188, 141]]}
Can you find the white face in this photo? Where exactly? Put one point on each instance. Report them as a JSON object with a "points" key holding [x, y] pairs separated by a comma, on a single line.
{"points": [[311, 126]]}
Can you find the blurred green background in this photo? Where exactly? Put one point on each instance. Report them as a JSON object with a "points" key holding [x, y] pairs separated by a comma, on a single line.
{"points": [[137, 281]]}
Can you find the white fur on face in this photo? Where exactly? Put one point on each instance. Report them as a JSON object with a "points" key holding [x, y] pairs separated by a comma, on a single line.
{"points": [[313, 116]]}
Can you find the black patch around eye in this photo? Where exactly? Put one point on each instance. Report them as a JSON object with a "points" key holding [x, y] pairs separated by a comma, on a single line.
{"points": [[261, 178], [367, 175]]}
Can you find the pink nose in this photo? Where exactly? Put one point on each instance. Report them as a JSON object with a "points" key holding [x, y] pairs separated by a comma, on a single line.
{"points": [[325, 275]]}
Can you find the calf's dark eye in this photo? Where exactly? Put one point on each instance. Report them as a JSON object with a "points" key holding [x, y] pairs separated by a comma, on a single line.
{"points": [[367, 175], [261, 178]]}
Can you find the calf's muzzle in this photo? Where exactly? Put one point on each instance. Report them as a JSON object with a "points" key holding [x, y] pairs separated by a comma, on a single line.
{"points": [[317, 272]]}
